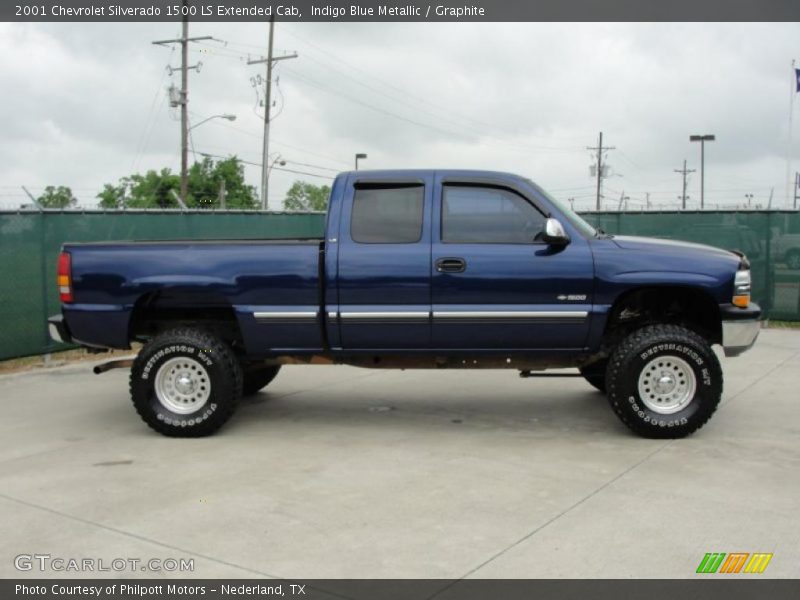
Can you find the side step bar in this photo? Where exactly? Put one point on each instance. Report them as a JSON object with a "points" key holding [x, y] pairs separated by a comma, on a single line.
{"points": [[123, 363], [528, 373]]}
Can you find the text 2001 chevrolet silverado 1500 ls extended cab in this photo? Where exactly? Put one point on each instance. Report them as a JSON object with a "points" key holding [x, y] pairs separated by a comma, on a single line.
{"points": [[423, 268]]}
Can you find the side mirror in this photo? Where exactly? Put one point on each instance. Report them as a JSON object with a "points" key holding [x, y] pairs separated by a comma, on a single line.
{"points": [[554, 233]]}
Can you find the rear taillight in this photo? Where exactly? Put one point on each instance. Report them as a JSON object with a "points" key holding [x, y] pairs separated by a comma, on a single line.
{"points": [[65, 277]]}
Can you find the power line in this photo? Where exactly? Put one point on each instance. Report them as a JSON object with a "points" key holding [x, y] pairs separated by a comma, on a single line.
{"points": [[403, 101], [304, 173], [312, 166], [714, 191], [147, 130], [449, 133], [570, 189], [294, 162], [444, 115], [631, 162], [258, 164], [278, 142], [405, 95]]}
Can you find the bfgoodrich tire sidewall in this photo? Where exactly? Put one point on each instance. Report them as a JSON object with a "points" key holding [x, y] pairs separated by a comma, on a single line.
{"points": [[624, 389], [223, 393]]}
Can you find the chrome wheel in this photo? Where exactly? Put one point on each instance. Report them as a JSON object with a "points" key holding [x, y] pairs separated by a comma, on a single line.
{"points": [[182, 385], [667, 384]]}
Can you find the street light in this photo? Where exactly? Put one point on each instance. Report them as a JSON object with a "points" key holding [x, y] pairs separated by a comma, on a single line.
{"points": [[227, 117], [269, 166], [702, 139], [360, 155], [277, 160], [749, 199]]}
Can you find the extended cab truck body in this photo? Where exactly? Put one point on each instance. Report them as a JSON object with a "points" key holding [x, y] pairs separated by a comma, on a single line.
{"points": [[423, 268]]}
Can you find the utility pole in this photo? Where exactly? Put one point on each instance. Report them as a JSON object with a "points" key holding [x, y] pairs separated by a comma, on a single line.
{"points": [[184, 96], [599, 149], [222, 194], [184, 107], [796, 189], [684, 172], [793, 89], [623, 199], [702, 139], [267, 107]]}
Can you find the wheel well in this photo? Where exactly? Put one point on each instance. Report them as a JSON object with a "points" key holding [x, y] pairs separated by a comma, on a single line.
{"points": [[691, 307], [165, 309]]}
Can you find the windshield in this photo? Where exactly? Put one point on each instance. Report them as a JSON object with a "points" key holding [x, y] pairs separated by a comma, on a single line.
{"points": [[575, 219]]}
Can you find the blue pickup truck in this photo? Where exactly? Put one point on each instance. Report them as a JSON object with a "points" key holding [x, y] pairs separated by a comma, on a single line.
{"points": [[417, 269]]}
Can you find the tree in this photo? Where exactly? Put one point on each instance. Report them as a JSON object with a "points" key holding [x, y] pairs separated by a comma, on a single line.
{"points": [[57, 197], [206, 179], [307, 196], [151, 190], [112, 196], [205, 184]]}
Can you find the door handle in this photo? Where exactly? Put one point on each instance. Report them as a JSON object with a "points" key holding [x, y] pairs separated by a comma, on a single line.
{"points": [[451, 265]]}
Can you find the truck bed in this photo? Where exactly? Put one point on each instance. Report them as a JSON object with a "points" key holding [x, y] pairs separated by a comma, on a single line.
{"points": [[270, 284]]}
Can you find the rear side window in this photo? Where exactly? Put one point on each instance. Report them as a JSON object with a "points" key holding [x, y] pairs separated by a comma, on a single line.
{"points": [[486, 215], [387, 214]]}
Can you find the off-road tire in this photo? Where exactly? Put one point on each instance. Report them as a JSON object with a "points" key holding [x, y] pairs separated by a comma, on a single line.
{"points": [[639, 350], [595, 374], [256, 379], [208, 355]]}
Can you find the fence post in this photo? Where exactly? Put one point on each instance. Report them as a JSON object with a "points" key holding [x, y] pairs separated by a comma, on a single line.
{"points": [[769, 267], [47, 343]]}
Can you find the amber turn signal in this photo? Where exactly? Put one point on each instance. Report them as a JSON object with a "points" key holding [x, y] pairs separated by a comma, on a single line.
{"points": [[741, 289]]}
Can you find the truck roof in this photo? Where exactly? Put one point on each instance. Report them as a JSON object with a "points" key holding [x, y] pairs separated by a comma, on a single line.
{"points": [[466, 173]]}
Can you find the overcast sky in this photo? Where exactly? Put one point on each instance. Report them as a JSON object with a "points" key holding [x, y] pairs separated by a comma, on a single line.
{"points": [[85, 104]]}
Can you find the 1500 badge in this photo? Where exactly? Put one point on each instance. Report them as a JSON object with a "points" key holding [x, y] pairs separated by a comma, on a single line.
{"points": [[573, 297]]}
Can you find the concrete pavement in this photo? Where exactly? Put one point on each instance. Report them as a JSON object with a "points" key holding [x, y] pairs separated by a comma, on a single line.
{"points": [[336, 472]]}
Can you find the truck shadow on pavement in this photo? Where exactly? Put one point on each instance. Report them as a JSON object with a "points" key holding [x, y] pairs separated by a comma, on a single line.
{"points": [[585, 411]]}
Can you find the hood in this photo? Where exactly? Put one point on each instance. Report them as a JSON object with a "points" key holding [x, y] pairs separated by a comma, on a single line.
{"points": [[671, 247], [624, 262]]}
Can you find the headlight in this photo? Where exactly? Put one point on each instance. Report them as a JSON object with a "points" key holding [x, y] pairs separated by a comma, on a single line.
{"points": [[741, 289]]}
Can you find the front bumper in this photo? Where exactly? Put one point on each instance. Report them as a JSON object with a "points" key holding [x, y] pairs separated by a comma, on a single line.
{"points": [[740, 328], [58, 329]]}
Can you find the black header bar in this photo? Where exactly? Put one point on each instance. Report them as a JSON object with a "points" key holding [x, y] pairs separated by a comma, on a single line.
{"points": [[709, 587], [401, 11]]}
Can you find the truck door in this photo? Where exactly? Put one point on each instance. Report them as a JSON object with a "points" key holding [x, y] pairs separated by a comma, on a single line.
{"points": [[495, 285], [383, 271]]}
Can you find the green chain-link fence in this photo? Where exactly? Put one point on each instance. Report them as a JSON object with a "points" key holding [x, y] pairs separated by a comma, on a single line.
{"points": [[30, 241]]}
